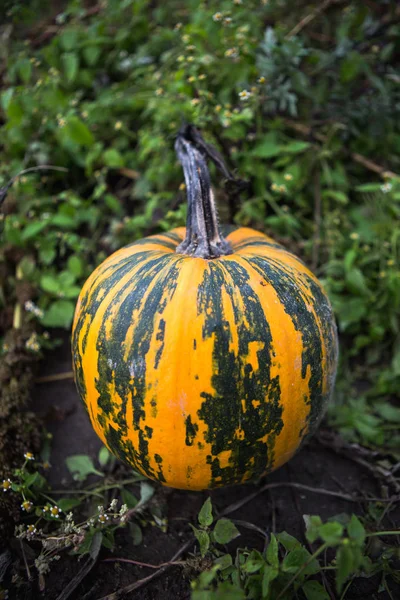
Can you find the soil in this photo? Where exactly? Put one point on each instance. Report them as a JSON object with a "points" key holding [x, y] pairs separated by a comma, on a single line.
{"points": [[275, 510]]}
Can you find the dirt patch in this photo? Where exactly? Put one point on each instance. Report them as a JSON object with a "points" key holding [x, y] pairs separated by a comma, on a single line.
{"points": [[277, 509]]}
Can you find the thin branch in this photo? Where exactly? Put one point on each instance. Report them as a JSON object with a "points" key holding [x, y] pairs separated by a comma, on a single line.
{"points": [[55, 377], [311, 16], [355, 156], [269, 486], [146, 565], [138, 584]]}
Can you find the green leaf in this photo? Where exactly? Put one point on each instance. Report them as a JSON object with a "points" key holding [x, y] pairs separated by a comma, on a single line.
{"points": [[225, 531], [50, 283], [356, 530], [297, 558], [205, 515], [272, 552], [6, 97], [136, 533], [70, 64], [24, 69], [68, 39], [331, 532], [345, 562], [75, 265], [295, 147], [96, 545], [203, 538], [32, 230], [146, 492], [91, 54], [268, 147], [129, 499], [253, 564], [59, 314], [104, 456], [313, 590], [67, 504], [313, 523], [78, 132], [356, 283], [80, 466], [269, 574], [288, 541], [113, 159], [223, 561]]}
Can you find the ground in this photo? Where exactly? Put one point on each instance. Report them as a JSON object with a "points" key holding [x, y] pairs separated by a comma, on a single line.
{"points": [[280, 508]]}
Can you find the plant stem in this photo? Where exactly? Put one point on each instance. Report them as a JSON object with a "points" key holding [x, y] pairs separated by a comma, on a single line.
{"points": [[320, 550], [203, 236]]}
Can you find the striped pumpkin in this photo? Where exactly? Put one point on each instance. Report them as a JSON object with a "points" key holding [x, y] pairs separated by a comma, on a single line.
{"points": [[203, 371]]}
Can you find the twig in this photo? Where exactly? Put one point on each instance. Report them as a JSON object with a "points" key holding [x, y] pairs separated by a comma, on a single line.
{"points": [[356, 157], [251, 526], [269, 486], [55, 377], [147, 565], [87, 567], [25, 561], [311, 16], [138, 584]]}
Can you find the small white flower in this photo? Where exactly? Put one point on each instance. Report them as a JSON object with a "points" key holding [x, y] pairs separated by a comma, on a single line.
{"points": [[386, 187], [244, 95]]}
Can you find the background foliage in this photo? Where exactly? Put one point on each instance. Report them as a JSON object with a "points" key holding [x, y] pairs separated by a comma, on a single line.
{"points": [[304, 104]]}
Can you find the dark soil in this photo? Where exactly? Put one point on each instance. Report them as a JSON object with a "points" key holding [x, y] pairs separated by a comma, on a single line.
{"points": [[278, 509]]}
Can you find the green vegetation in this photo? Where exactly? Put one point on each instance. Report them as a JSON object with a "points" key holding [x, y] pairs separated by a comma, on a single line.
{"points": [[304, 105]]}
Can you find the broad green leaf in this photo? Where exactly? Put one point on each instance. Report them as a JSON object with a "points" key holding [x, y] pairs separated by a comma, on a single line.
{"points": [[67, 504], [33, 229], [313, 590], [78, 132], [225, 531], [223, 561], [295, 147], [297, 558], [205, 515], [345, 565], [59, 314], [269, 574], [104, 456], [6, 97], [356, 530], [50, 283], [203, 538], [272, 552], [136, 533], [91, 54], [24, 68], [252, 565], [68, 39], [70, 63], [146, 492], [75, 265], [129, 499], [113, 159], [331, 532], [288, 541], [313, 523], [80, 466]]}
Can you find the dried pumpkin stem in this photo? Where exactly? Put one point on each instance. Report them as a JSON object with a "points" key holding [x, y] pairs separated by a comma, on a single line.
{"points": [[203, 235]]}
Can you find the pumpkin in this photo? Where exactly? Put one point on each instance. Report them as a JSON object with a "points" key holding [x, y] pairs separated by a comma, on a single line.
{"points": [[205, 356]]}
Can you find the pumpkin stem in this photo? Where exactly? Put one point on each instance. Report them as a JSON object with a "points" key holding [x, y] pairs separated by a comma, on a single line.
{"points": [[203, 235]]}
